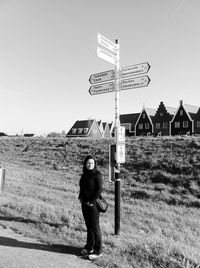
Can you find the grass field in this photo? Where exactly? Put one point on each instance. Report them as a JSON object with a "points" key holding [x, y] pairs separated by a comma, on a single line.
{"points": [[160, 197]]}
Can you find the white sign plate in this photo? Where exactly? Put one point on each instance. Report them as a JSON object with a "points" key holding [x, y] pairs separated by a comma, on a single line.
{"points": [[102, 88], [135, 69], [120, 153], [141, 81], [105, 42], [107, 56], [102, 77], [121, 134]]}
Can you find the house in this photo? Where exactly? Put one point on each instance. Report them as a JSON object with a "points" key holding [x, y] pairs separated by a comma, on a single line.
{"points": [[183, 121], [85, 128], [162, 120], [197, 122], [129, 121], [107, 128], [2, 134], [144, 125], [100, 124], [29, 135]]}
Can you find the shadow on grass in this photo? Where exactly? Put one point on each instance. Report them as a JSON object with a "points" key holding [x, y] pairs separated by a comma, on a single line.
{"points": [[11, 242], [20, 219]]}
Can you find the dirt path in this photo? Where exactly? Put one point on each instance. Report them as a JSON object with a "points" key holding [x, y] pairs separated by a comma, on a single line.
{"points": [[17, 251]]}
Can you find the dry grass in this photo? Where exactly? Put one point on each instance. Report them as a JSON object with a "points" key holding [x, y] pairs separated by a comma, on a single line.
{"points": [[160, 215]]}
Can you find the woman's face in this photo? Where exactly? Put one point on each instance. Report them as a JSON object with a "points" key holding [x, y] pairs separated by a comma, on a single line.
{"points": [[90, 164]]}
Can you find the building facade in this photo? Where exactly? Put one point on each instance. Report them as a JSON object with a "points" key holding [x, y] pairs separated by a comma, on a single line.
{"points": [[197, 122], [85, 128], [129, 121], [162, 120], [183, 121], [144, 124]]}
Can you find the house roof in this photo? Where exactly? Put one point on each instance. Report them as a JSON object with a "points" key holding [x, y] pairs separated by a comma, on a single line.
{"points": [[171, 110], [104, 125], [111, 125], [191, 108], [151, 111], [81, 124], [129, 118]]}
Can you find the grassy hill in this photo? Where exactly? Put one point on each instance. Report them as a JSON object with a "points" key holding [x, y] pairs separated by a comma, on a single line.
{"points": [[160, 197]]}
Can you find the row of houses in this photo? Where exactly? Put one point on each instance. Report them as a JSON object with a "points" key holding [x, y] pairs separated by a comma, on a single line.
{"points": [[163, 121]]}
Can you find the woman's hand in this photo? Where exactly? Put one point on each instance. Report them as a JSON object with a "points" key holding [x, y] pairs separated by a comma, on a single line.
{"points": [[89, 204]]}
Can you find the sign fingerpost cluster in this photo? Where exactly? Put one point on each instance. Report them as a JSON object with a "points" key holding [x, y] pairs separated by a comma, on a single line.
{"points": [[115, 81]]}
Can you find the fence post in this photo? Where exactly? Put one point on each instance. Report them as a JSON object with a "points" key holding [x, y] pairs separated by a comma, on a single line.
{"points": [[2, 179]]}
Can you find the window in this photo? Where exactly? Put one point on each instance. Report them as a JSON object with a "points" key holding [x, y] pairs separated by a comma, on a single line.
{"points": [[165, 124], [198, 123], [181, 112], [80, 130], [85, 130], [143, 115], [157, 125], [73, 130], [140, 126], [185, 124], [177, 124], [161, 114], [146, 125]]}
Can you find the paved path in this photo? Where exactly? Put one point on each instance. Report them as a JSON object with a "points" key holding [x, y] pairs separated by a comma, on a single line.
{"points": [[17, 251]]}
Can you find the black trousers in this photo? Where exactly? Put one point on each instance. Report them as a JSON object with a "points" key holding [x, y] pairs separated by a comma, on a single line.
{"points": [[94, 237]]}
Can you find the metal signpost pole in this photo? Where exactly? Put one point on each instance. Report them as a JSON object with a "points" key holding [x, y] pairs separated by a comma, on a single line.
{"points": [[117, 125], [124, 79]]}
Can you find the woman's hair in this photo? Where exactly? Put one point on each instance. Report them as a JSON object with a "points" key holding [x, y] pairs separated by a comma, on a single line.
{"points": [[85, 161]]}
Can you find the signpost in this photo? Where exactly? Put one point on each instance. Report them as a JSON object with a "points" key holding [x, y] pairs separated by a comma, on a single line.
{"points": [[120, 153], [102, 77], [137, 69], [105, 55], [120, 149], [141, 81], [105, 42], [117, 150], [102, 88], [121, 137], [112, 162]]}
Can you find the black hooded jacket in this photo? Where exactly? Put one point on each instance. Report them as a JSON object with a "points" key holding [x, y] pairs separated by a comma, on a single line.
{"points": [[90, 183]]}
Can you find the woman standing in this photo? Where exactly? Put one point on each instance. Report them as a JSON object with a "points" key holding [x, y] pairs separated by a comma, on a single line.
{"points": [[90, 189]]}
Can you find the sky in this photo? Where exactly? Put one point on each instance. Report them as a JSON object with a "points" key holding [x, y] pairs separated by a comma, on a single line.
{"points": [[48, 52]]}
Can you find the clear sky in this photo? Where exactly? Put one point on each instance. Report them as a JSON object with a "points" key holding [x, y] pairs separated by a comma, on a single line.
{"points": [[48, 52]]}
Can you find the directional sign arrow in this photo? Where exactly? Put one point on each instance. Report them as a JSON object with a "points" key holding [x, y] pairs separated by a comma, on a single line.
{"points": [[141, 81], [105, 42], [102, 77], [107, 56], [102, 88], [137, 69]]}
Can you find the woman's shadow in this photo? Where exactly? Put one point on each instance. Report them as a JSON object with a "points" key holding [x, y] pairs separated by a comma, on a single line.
{"points": [[12, 242]]}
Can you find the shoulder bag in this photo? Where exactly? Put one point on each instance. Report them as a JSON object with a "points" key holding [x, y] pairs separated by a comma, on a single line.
{"points": [[101, 204]]}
